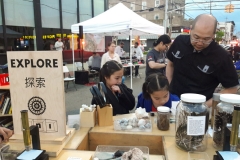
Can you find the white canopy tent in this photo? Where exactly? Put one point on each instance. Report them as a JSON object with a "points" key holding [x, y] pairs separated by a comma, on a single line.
{"points": [[119, 20]]}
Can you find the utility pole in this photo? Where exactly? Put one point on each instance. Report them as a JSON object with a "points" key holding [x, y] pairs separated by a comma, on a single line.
{"points": [[166, 16], [225, 31], [210, 7]]}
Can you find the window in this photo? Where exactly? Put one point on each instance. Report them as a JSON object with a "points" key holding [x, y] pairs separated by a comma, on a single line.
{"points": [[50, 14], [156, 16], [68, 16], [85, 8], [132, 6], [98, 7], [144, 5], [157, 3]]}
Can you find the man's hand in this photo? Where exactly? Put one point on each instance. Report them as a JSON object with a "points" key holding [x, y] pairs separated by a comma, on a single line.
{"points": [[6, 133]]}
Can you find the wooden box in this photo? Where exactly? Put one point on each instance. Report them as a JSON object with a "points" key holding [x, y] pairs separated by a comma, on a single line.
{"points": [[105, 116], [87, 119]]}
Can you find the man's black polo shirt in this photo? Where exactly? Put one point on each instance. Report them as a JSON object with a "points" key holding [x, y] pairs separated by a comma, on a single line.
{"points": [[200, 72]]}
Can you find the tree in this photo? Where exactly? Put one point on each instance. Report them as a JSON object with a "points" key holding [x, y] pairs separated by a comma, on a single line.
{"points": [[219, 35]]}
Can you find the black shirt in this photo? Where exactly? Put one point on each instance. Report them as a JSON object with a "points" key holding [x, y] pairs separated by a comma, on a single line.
{"points": [[121, 103], [158, 57], [199, 71]]}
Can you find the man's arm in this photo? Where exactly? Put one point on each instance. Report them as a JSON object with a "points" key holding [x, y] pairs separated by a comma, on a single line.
{"points": [[155, 65], [232, 90], [169, 71], [141, 53]]}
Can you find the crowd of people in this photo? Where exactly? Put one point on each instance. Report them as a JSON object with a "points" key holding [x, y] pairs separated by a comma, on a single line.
{"points": [[195, 64]]}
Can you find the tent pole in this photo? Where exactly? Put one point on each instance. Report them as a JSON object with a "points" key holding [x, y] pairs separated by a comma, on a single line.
{"points": [[73, 54], [131, 55]]}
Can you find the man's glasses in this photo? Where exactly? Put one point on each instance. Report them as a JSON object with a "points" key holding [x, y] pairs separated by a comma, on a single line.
{"points": [[199, 40]]}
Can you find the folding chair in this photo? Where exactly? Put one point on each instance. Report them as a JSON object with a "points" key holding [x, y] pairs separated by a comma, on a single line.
{"points": [[69, 78], [78, 65]]}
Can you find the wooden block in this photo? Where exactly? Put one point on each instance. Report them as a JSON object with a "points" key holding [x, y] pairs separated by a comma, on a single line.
{"points": [[154, 143], [87, 119], [52, 150], [79, 140], [105, 115], [59, 140]]}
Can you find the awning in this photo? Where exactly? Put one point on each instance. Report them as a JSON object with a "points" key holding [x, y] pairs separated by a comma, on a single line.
{"points": [[10, 33], [143, 37]]}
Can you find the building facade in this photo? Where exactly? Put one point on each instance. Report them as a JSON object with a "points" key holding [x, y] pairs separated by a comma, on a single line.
{"points": [[37, 24], [228, 29]]}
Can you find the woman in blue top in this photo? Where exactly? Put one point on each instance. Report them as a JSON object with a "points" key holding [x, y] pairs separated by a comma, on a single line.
{"points": [[155, 93]]}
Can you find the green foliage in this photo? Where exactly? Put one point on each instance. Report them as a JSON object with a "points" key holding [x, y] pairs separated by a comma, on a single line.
{"points": [[219, 35]]}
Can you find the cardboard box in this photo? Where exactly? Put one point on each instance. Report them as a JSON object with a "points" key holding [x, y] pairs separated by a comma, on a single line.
{"points": [[87, 119], [105, 115]]}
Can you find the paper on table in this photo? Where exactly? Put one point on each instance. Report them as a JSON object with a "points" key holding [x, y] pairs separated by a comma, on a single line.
{"points": [[228, 155], [30, 155], [174, 107], [73, 121]]}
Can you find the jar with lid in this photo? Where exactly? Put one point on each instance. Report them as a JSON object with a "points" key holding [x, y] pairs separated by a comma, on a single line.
{"points": [[163, 118], [192, 118], [223, 117], [215, 101]]}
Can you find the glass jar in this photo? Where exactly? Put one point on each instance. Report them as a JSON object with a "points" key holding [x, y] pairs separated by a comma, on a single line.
{"points": [[192, 118], [163, 118], [223, 117], [215, 101]]}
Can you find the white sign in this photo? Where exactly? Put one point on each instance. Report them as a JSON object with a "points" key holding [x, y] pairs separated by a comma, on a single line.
{"points": [[196, 125], [36, 85]]}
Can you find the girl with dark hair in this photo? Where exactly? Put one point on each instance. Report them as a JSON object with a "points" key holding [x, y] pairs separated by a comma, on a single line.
{"points": [[155, 60], [155, 93], [119, 96]]}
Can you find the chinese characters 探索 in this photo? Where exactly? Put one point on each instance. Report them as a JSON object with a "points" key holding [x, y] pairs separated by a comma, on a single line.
{"points": [[40, 82]]}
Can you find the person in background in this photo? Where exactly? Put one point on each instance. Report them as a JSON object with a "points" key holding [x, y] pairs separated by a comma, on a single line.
{"points": [[96, 61], [137, 52], [90, 61], [197, 64], [119, 49], [110, 55], [155, 60], [6, 133], [118, 94], [142, 47], [236, 53], [59, 45], [155, 93]]}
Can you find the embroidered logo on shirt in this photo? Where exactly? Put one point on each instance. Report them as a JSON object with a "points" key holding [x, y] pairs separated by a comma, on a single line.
{"points": [[149, 58], [204, 69], [176, 55]]}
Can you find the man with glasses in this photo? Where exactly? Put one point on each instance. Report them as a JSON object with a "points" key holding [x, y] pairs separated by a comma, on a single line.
{"points": [[197, 64]]}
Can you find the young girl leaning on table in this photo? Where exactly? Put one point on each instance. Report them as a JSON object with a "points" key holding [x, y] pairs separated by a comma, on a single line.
{"points": [[155, 93], [118, 94]]}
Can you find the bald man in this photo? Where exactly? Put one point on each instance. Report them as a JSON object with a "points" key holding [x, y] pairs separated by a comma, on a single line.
{"points": [[197, 64]]}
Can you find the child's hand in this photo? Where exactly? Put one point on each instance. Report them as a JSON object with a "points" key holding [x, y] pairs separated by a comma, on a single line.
{"points": [[116, 88]]}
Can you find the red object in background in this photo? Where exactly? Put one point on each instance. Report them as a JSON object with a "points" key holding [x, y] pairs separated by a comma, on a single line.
{"points": [[186, 30], [4, 79], [67, 55]]}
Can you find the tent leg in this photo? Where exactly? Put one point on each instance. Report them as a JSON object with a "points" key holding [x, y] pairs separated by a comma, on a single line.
{"points": [[73, 54], [130, 55]]}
